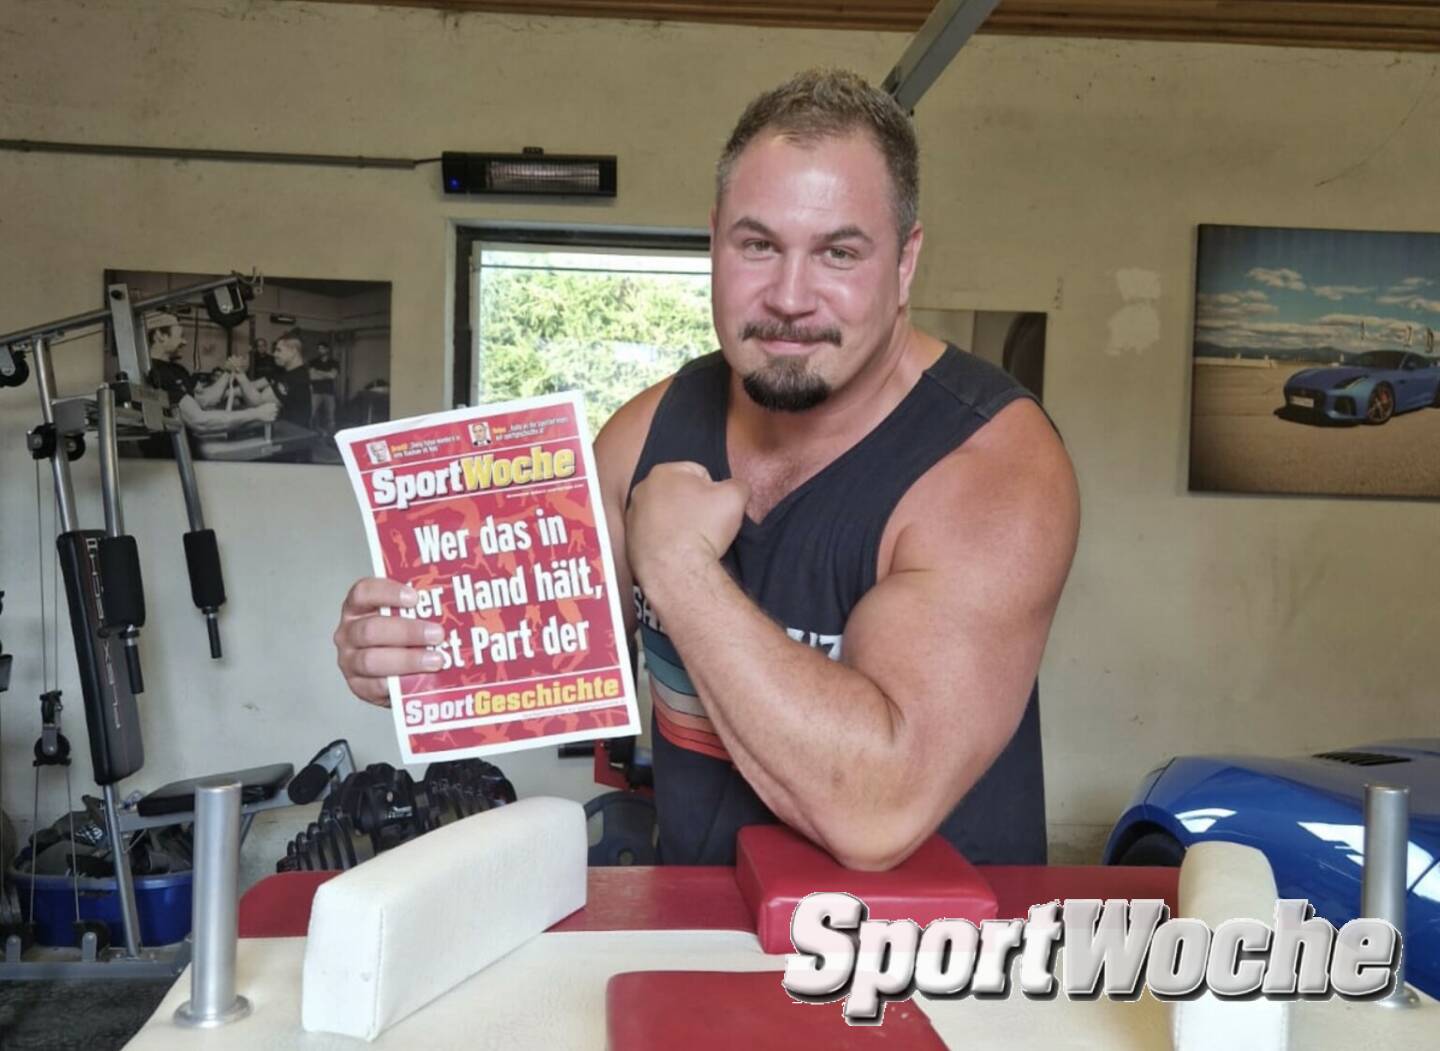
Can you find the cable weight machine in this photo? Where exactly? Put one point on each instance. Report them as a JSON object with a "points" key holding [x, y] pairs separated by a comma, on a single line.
{"points": [[102, 579]]}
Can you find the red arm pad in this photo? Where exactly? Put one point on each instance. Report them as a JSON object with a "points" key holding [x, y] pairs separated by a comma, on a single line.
{"points": [[776, 867], [725, 1010]]}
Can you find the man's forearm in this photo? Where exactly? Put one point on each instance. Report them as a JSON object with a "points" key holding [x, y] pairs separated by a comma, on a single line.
{"points": [[253, 392], [211, 394], [821, 743], [213, 422]]}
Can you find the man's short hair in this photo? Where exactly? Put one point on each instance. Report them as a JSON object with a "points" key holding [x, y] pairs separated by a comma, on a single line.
{"points": [[157, 323], [828, 103]]}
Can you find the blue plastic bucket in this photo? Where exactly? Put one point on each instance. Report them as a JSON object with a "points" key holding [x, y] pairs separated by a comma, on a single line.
{"points": [[163, 903]]}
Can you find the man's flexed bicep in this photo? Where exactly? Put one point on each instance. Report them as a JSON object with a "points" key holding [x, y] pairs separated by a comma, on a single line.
{"points": [[866, 756], [955, 632]]}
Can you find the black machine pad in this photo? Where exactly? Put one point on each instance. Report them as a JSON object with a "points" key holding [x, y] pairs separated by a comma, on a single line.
{"points": [[257, 784], [111, 716]]}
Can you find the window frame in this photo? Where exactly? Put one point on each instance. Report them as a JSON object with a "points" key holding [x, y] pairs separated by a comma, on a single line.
{"points": [[538, 235]]}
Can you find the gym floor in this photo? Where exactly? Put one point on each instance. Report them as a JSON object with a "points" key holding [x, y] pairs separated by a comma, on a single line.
{"points": [[75, 1016], [104, 1015]]}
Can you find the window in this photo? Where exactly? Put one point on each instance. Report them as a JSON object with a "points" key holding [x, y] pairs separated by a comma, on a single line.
{"points": [[605, 314]]}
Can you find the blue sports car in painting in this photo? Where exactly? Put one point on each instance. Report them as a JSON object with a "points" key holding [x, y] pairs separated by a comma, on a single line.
{"points": [[1371, 387], [1306, 814]]}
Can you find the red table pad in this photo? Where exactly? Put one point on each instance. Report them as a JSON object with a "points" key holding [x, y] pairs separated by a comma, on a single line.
{"points": [[728, 1010], [624, 898], [775, 868]]}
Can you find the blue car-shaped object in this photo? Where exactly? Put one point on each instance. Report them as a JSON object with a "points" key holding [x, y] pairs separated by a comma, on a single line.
{"points": [[1306, 814], [1371, 387]]}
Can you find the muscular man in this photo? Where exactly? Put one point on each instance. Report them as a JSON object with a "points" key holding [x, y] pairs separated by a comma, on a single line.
{"points": [[847, 540], [262, 363], [324, 371], [199, 403], [292, 384]]}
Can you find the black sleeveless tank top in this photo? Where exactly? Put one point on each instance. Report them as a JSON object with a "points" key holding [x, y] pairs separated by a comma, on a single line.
{"points": [[807, 565]]}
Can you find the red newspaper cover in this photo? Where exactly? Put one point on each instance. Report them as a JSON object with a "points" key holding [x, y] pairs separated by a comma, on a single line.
{"points": [[493, 515]]}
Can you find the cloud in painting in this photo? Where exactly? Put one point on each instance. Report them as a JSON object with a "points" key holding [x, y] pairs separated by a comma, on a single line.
{"points": [[1216, 305], [1289, 280], [1410, 302], [1335, 293], [1347, 332]]}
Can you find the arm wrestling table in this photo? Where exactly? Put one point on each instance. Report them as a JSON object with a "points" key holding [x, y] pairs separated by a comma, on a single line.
{"points": [[556, 991], [673, 898]]}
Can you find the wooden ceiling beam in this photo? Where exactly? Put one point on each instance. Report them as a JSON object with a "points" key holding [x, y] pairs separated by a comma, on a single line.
{"points": [[1408, 25]]}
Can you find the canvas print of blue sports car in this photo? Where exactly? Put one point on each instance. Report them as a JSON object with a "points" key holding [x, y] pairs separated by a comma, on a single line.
{"points": [[1315, 363]]}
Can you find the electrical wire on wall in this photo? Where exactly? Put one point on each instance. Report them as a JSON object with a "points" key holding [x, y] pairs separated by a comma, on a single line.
{"points": [[176, 153]]}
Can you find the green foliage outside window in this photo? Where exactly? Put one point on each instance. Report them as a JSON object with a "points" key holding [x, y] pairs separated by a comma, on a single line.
{"points": [[609, 334]]}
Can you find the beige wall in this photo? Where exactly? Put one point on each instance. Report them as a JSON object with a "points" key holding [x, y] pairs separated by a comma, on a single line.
{"points": [[1059, 176]]}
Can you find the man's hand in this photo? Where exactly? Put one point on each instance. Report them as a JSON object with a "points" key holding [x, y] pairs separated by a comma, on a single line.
{"points": [[679, 517], [369, 647], [265, 412]]}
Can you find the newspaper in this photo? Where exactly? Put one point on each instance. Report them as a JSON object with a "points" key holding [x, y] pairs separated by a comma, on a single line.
{"points": [[493, 515]]}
